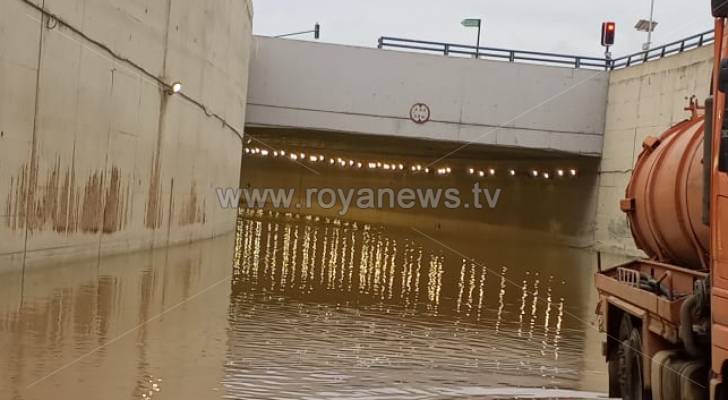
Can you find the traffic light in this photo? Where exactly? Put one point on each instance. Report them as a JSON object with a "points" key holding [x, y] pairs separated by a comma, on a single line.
{"points": [[720, 8], [317, 31], [608, 31]]}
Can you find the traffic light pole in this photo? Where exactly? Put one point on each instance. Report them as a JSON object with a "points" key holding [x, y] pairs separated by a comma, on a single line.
{"points": [[477, 46], [608, 57], [608, 32]]}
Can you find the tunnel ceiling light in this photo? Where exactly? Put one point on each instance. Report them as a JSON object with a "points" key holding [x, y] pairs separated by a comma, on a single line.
{"points": [[395, 166]]}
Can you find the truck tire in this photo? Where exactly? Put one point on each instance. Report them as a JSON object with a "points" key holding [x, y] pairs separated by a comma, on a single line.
{"points": [[616, 356], [615, 369], [630, 361]]}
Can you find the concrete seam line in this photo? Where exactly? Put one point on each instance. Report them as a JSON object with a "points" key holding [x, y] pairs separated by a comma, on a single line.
{"points": [[34, 150], [250, 8], [439, 121], [512, 283], [111, 52]]}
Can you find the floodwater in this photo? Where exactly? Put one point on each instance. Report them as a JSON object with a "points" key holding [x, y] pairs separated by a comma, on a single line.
{"points": [[300, 304], [313, 308]]}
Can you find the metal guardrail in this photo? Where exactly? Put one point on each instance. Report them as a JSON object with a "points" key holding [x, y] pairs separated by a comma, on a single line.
{"points": [[691, 42], [492, 53], [452, 49]]}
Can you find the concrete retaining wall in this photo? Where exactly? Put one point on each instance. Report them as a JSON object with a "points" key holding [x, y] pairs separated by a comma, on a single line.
{"points": [[95, 157], [643, 101]]}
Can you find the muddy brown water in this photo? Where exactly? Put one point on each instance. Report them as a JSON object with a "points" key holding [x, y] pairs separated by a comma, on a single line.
{"points": [[313, 308]]}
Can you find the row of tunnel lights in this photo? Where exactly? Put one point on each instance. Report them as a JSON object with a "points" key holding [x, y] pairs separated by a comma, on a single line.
{"points": [[418, 168]]}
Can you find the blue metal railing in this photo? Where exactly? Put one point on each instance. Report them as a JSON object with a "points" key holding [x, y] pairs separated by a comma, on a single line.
{"points": [[453, 49]]}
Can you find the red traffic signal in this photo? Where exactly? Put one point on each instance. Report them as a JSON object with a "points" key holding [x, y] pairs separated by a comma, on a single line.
{"points": [[608, 31]]}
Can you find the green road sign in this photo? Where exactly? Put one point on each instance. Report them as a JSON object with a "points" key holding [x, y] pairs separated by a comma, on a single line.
{"points": [[471, 23]]}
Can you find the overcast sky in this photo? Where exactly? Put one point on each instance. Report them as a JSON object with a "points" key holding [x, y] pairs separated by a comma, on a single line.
{"points": [[563, 26]]}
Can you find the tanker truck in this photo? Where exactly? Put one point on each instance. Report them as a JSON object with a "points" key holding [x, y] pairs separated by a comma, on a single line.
{"points": [[666, 316]]}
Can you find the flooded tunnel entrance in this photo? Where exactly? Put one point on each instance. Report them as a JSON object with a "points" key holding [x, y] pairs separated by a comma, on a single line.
{"points": [[385, 303], [491, 189]]}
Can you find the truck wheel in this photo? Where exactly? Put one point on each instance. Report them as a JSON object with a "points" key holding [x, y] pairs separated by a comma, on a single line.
{"points": [[630, 352], [615, 368], [616, 356]]}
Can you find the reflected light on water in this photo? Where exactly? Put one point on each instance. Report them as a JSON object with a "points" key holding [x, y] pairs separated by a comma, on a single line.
{"points": [[312, 308], [360, 296]]}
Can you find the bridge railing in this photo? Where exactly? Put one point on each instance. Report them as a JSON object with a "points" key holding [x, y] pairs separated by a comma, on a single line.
{"points": [[453, 49], [535, 57], [691, 42]]}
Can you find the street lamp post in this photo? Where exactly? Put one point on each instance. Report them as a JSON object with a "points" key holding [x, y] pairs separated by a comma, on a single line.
{"points": [[474, 23], [316, 32], [648, 26], [652, 27]]}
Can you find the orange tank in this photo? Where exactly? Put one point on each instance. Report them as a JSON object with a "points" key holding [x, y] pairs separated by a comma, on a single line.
{"points": [[664, 197]]}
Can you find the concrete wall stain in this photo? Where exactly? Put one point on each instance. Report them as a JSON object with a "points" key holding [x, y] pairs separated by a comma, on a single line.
{"points": [[154, 207], [57, 203], [115, 204], [193, 212], [59, 193]]}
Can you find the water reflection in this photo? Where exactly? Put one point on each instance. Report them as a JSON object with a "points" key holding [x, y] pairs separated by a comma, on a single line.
{"points": [[360, 264], [148, 325], [345, 306]]}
